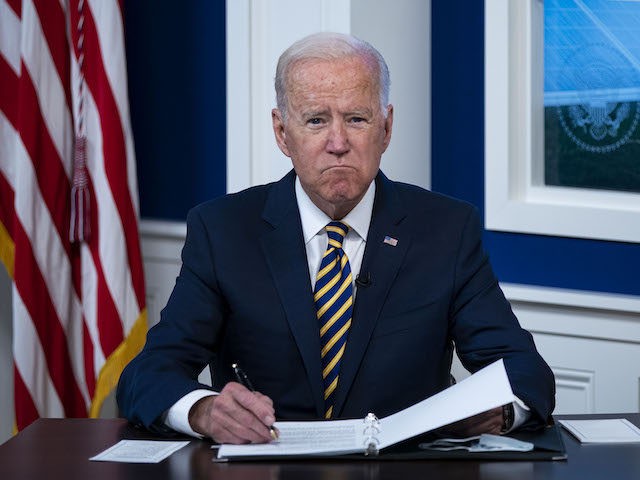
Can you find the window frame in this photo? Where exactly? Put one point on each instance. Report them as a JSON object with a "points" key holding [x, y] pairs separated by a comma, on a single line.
{"points": [[516, 199]]}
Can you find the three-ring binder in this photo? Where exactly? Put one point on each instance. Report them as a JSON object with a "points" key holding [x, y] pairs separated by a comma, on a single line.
{"points": [[371, 437], [371, 430]]}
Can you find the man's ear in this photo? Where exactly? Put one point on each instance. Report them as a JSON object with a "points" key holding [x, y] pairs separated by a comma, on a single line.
{"points": [[388, 126], [279, 131]]}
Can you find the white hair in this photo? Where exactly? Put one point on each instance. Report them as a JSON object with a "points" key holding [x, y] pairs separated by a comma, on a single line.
{"points": [[330, 46]]}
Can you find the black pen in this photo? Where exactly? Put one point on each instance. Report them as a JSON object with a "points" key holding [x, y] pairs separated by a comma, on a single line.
{"points": [[244, 380]]}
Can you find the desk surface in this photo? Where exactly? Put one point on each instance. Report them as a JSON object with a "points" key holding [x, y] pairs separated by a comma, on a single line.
{"points": [[59, 449]]}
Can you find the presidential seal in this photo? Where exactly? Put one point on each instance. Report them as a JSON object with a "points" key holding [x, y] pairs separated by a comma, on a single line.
{"points": [[605, 112]]}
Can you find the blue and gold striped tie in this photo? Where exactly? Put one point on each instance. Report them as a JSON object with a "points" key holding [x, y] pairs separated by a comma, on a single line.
{"points": [[334, 304]]}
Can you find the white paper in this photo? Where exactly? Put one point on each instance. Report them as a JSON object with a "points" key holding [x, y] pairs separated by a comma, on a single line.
{"points": [[305, 438], [486, 389], [612, 430], [139, 451]]}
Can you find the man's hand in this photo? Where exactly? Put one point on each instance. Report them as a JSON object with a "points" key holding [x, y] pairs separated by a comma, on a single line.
{"points": [[236, 415], [486, 422]]}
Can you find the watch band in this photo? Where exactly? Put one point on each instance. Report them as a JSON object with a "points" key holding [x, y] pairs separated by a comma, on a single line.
{"points": [[507, 417]]}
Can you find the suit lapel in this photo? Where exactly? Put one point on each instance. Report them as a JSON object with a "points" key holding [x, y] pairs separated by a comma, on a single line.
{"points": [[381, 261], [285, 255]]}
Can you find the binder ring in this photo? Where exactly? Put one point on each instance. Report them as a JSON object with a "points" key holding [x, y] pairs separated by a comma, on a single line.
{"points": [[371, 429]]}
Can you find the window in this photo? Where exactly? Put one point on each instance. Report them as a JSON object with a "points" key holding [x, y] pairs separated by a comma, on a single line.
{"points": [[591, 94], [562, 142]]}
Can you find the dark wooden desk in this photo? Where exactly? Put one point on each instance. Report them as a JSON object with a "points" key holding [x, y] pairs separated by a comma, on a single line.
{"points": [[59, 449]]}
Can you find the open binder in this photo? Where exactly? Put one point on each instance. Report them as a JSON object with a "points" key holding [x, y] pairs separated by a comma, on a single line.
{"points": [[398, 435]]}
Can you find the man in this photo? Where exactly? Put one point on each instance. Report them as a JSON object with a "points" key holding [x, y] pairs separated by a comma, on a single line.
{"points": [[337, 290]]}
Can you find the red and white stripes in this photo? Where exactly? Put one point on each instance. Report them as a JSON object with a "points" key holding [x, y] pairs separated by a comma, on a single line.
{"points": [[78, 306]]}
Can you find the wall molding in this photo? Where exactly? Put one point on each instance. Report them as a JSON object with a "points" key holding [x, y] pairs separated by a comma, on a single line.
{"points": [[162, 229], [579, 384], [161, 243], [578, 314], [572, 298]]}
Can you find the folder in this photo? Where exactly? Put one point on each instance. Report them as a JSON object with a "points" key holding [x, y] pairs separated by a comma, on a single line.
{"points": [[399, 435]]}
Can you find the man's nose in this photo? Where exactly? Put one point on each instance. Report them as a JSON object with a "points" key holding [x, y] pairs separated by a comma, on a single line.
{"points": [[338, 140]]}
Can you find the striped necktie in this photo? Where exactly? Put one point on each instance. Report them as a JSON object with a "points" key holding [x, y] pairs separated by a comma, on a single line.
{"points": [[333, 297]]}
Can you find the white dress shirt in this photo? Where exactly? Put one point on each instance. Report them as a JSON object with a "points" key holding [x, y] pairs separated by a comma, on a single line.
{"points": [[315, 237]]}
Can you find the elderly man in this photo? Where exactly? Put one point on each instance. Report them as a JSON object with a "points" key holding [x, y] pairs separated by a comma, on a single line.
{"points": [[337, 290]]}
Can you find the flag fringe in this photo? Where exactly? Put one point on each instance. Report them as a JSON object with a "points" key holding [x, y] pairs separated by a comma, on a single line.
{"points": [[121, 356], [7, 250]]}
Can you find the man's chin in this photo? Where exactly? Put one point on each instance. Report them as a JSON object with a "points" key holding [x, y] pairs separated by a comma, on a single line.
{"points": [[343, 200], [338, 195], [341, 194]]}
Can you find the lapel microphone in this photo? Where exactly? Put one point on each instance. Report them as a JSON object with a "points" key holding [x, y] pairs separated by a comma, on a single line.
{"points": [[363, 280]]}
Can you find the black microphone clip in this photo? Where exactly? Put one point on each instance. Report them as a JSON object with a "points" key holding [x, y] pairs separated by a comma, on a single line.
{"points": [[363, 280]]}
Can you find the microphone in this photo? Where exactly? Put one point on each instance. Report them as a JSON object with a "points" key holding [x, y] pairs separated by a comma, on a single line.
{"points": [[363, 280]]}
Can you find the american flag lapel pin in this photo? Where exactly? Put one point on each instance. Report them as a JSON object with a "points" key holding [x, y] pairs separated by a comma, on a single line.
{"points": [[390, 240]]}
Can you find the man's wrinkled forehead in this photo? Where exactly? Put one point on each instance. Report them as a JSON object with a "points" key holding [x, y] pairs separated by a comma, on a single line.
{"points": [[319, 74]]}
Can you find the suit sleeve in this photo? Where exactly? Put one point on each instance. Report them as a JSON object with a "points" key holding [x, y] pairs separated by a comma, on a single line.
{"points": [[485, 328], [183, 342]]}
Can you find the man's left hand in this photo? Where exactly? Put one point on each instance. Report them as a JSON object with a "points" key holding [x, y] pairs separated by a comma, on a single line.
{"points": [[490, 421]]}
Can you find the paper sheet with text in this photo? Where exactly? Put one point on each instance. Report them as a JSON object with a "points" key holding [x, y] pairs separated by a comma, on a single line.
{"points": [[486, 389]]}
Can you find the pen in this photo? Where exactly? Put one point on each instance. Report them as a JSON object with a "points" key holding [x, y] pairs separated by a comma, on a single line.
{"points": [[244, 380]]}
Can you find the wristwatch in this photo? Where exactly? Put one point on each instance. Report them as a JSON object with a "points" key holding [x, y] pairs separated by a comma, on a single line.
{"points": [[507, 417]]}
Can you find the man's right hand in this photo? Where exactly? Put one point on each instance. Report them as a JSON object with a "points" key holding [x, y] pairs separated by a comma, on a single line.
{"points": [[236, 415]]}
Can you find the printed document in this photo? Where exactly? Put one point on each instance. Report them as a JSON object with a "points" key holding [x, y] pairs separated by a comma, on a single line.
{"points": [[139, 451], [486, 389]]}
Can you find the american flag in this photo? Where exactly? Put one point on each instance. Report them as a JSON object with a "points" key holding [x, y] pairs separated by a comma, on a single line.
{"points": [[390, 241], [78, 298]]}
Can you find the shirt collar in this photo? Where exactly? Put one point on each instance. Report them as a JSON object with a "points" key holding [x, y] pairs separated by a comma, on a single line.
{"points": [[314, 220]]}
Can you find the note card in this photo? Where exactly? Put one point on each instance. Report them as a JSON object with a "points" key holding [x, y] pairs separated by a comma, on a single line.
{"points": [[139, 451], [613, 430]]}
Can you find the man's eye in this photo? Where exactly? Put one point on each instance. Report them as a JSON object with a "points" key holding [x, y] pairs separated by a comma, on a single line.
{"points": [[314, 121], [357, 119]]}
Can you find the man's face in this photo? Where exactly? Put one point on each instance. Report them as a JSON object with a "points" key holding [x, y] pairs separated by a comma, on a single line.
{"points": [[335, 133]]}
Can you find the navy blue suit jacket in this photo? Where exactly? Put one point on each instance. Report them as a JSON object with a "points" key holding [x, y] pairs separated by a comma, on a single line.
{"points": [[244, 295]]}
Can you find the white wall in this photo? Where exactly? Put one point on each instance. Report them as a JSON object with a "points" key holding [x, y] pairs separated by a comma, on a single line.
{"points": [[401, 30]]}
